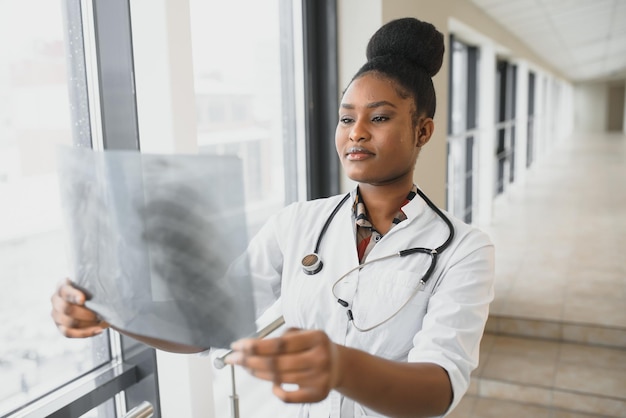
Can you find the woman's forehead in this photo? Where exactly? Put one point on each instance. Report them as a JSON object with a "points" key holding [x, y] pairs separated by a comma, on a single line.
{"points": [[372, 87]]}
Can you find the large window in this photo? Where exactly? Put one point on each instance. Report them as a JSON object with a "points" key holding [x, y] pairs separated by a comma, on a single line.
{"points": [[248, 65], [45, 102], [35, 118], [244, 95], [462, 130], [530, 141], [505, 124]]}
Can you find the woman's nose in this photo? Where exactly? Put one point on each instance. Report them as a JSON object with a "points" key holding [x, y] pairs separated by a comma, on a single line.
{"points": [[358, 132]]}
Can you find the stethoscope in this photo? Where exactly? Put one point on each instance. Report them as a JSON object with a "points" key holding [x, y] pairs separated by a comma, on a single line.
{"points": [[312, 263]]}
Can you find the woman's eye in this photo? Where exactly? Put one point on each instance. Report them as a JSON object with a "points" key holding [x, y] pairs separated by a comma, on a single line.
{"points": [[345, 120], [380, 118]]}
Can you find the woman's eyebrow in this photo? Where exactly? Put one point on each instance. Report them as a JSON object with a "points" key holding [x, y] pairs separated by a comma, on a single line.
{"points": [[372, 105], [380, 103]]}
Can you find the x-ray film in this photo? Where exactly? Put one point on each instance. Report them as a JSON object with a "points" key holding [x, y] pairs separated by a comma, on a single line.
{"points": [[157, 243]]}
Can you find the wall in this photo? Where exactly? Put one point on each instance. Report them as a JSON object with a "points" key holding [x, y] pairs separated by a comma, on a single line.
{"points": [[590, 107], [356, 25], [600, 106]]}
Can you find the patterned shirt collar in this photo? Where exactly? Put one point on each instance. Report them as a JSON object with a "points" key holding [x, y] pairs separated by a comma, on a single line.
{"points": [[360, 211], [366, 235]]}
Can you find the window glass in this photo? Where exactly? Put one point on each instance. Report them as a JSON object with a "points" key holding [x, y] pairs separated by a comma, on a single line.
{"points": [[460, 138], [240, 76], [458, 107], [244, 90], [34, 118]]}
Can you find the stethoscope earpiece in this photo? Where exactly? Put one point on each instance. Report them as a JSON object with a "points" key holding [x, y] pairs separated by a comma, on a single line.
{"points": [[312, 264]]}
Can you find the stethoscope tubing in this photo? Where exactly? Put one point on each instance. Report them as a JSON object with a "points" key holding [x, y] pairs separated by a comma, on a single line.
{"points": [[433, 253], [328, 221]]}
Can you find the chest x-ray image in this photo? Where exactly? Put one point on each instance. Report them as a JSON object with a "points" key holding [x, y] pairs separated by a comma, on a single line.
{"points": [[157, 242]]}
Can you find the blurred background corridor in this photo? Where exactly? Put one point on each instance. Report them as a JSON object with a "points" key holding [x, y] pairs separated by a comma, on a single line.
{"points": [[556, 340]]}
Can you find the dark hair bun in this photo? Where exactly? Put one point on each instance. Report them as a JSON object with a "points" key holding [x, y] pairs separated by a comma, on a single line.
{"points": [[410, 39]]}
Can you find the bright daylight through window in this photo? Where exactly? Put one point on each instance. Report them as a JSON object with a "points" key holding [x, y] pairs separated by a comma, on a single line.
{"points": [[240, 88], [34, 118], [245, 85]]}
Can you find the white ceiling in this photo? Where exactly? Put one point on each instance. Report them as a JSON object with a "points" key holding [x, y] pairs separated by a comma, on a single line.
{"points": [[584, 39]]}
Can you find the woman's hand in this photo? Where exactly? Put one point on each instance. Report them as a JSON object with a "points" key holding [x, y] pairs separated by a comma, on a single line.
{"points": [[75, 320], [69, 313], [308, 359]]}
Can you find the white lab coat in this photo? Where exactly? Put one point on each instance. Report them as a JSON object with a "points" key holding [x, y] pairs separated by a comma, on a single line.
{"points": [[442, 324]]}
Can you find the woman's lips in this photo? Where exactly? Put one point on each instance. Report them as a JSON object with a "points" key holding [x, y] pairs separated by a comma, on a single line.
{"points": [[358, 154]]}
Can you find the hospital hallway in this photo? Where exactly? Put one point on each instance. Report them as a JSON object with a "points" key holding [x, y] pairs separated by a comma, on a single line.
{"points": [[556, 337]]}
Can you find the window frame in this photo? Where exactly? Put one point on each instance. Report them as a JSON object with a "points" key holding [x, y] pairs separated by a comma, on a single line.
{"points": [[321, 89], [468, 137], [505, 123], [119, 129]]}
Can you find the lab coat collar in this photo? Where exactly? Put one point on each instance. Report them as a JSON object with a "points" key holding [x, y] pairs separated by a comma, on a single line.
{"points": [[415, 207]]}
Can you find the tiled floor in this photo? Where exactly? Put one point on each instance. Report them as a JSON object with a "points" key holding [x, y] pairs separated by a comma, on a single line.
{"points": [[560, 240], [561, 237], [475, 407], [551, 374]]}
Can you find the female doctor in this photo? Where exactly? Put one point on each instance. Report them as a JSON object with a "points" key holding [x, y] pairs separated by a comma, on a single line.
{"points": [[385, 296]]}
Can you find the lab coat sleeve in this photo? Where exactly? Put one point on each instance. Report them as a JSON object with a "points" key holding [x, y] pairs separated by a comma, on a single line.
{"points": [[457, 312], [265, 258]]}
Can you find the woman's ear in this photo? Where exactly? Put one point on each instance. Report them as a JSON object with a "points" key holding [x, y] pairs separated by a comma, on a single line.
{"points": [[425, 129]]}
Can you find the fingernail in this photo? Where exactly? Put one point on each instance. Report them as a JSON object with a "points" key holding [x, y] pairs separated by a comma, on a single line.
{"points": [[237, 345], [98, 331]]}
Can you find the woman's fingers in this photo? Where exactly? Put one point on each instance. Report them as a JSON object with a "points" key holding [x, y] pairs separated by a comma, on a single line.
{"points": [[72, 318], [294, 376], [80, 332], [293, 341], [304, 358], [314, 357], [70, 294], [265, 354], [78, 312]]}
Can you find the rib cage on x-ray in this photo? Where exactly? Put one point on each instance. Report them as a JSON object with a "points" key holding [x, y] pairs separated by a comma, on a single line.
{"points": [[157, 243]]}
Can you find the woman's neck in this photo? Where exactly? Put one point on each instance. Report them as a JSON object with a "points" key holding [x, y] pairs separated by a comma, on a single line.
{"points": [[383, 202]]}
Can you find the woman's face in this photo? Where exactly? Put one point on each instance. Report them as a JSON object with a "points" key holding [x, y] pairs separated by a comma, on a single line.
{"points": [[376, 139]]}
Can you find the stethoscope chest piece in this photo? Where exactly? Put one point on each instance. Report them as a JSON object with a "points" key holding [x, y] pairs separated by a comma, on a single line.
{"points": [[312, 264]]}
